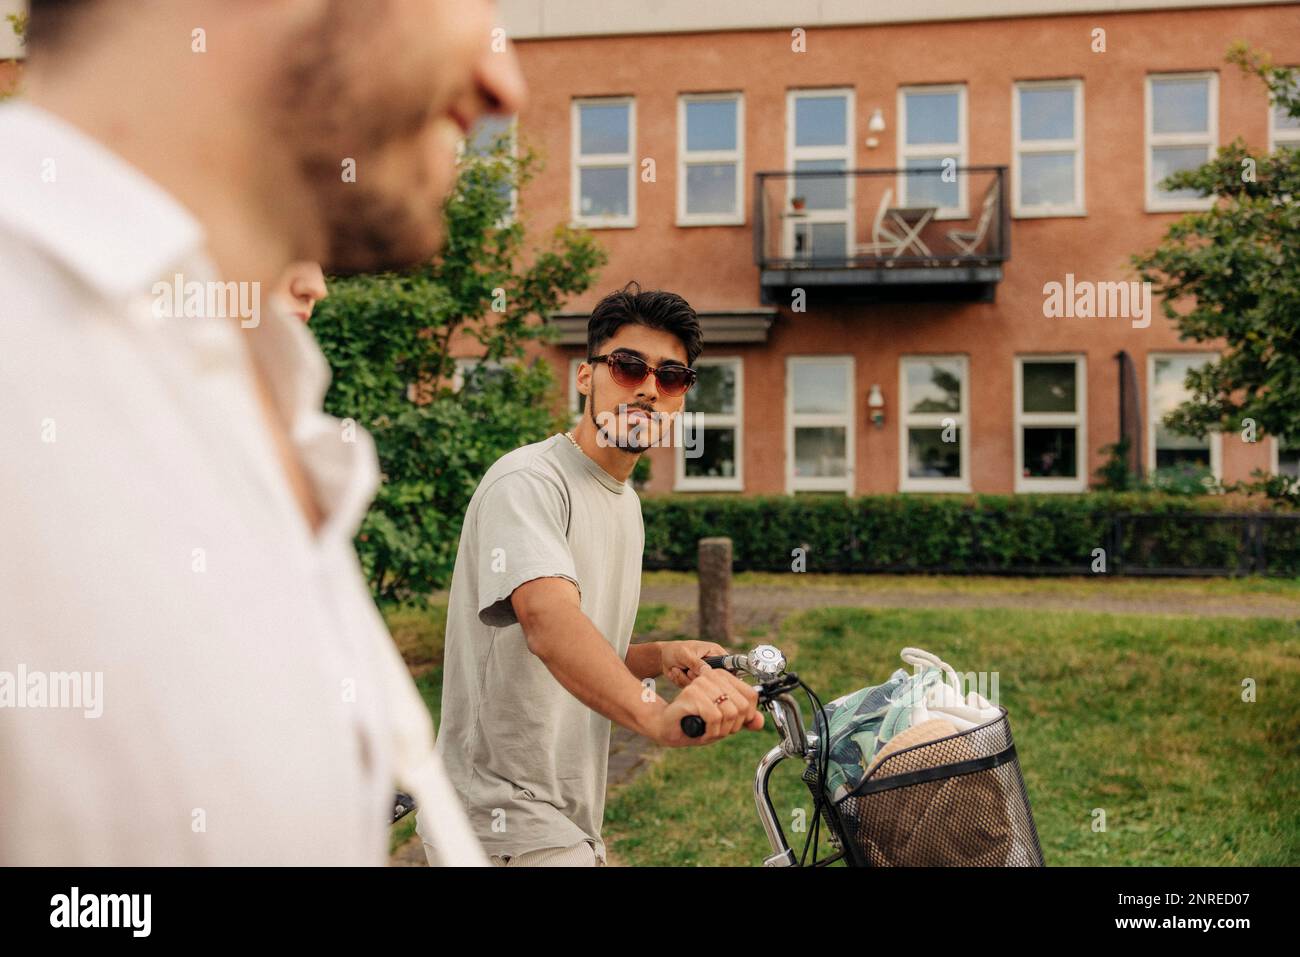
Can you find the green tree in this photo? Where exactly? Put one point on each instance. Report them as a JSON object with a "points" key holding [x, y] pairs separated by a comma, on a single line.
{"points": [[1231, 275], [18, 22], [389, 341]]}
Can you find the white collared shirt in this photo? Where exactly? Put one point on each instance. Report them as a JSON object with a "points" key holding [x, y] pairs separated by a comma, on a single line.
{"points": [[252, 706]]}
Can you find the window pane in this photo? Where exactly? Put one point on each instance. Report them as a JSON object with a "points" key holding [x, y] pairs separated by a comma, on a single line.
{"points": [[714, 390], [1046, 114], [486, 132], [1167, 393], [711, 125], [934, 386], [821, 192], [820, 387], [477, 375], [829, 241], [931, 118], [821, 241], [1048, 387], [604, 128], [1288, 462], [719, 455], [929, 188], [711, 188], [1049, 453], [1172, 159], [1180, 458], [820, 121], [1169, 388], [1047, 179], [929, 456], [1180, 106], [604, 191], [1168, 440], [819, 452], [1282, 120]]}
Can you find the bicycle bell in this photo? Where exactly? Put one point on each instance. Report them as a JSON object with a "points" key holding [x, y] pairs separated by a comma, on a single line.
{"points": [[766, 662]]}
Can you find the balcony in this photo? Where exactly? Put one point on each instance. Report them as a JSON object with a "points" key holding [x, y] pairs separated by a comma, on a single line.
{"points": [[921, 234]]}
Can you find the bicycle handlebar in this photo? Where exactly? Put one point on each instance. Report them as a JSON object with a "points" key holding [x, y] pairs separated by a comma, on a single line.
{"points": [[693, 725]]}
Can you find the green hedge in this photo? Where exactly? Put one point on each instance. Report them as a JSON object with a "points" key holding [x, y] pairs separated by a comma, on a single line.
{"points": [[977, 533]]}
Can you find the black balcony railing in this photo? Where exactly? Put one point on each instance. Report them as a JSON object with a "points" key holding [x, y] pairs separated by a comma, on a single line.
{"points": [[930, 230]]}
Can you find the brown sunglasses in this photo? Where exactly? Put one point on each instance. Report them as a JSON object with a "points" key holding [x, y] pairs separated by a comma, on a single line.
{"points": [[630, 371]]}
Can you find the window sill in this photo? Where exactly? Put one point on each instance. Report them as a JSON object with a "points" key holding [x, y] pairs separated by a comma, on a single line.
{"points": [[1053, 486], [702, 221], [1070, 213], [708, 485], [579, 223], [920, 485], [1183, 207]]}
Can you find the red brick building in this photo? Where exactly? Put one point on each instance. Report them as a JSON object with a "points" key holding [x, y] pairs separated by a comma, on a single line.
{"points": [[867, 209]]}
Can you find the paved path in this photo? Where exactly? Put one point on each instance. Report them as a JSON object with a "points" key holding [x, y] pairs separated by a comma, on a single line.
{"points": [[764, 605]]}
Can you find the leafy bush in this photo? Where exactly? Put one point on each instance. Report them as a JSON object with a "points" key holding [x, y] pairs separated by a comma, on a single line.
{"points": [[976, 534], [392, 342]]}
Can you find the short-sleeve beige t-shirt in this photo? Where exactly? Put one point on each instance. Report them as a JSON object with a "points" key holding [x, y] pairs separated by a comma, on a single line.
{"points": [[528, 759]]}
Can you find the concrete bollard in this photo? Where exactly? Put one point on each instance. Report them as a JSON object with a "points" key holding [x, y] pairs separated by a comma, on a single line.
{"points": [[715, 590]]}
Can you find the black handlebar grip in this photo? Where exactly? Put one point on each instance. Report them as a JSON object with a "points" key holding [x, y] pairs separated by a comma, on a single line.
{"points": [[693, 725], [713, 661]]}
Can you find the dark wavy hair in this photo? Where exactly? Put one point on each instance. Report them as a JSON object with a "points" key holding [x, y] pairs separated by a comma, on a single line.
{"points": [[655, 308], [49, 22]]}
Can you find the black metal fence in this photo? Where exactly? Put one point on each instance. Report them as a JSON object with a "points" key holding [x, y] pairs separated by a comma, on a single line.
{"points": [[928, 216], [1193, 544]]}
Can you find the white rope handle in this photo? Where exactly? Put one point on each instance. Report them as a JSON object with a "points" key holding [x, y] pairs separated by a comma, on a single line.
{"points": [[916, 656]]}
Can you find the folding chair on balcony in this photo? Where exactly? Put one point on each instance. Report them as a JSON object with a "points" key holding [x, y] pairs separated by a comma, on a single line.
{"points": [[967, 240], [884, 242]]}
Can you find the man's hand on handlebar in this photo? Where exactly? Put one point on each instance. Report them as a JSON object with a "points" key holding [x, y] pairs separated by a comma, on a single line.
{"points": [[682, 661], [724, 702]]}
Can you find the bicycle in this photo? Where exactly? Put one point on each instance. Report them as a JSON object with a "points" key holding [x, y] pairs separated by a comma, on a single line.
{"points": [[956, 800]]}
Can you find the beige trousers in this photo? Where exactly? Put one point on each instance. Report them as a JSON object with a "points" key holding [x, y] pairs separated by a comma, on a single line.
{"points": [[581, 854]]}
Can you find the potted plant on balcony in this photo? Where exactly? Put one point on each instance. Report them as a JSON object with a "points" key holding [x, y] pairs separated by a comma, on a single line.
{"points": [[797, 203]]}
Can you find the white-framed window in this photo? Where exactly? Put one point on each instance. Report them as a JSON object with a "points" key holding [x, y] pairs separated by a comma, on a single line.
{"points": [[1166, 390], [819, 138], [1051, 423], [1285, 460], [478, 145], [1283, 129], [1182, 130], [1047, 149], [932, 136], [819, 423], [711, 159], [934, 437], [716, 405], [603, 187], [576, 399]]}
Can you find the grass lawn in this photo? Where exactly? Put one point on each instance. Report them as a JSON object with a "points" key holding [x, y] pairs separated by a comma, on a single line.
{"points": [[1140, 716]]}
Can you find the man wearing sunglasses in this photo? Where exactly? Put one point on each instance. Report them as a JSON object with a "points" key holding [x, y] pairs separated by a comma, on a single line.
{"points": [[538, 659]]}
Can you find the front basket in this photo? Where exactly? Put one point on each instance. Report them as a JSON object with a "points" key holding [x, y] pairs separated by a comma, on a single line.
{"points": [[958, 801]]}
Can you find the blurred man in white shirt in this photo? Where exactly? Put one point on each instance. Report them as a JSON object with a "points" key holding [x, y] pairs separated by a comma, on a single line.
{"points": [[177, 510]]}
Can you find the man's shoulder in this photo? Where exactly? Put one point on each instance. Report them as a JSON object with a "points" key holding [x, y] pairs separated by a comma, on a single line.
{"points": [[528, 463]]}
